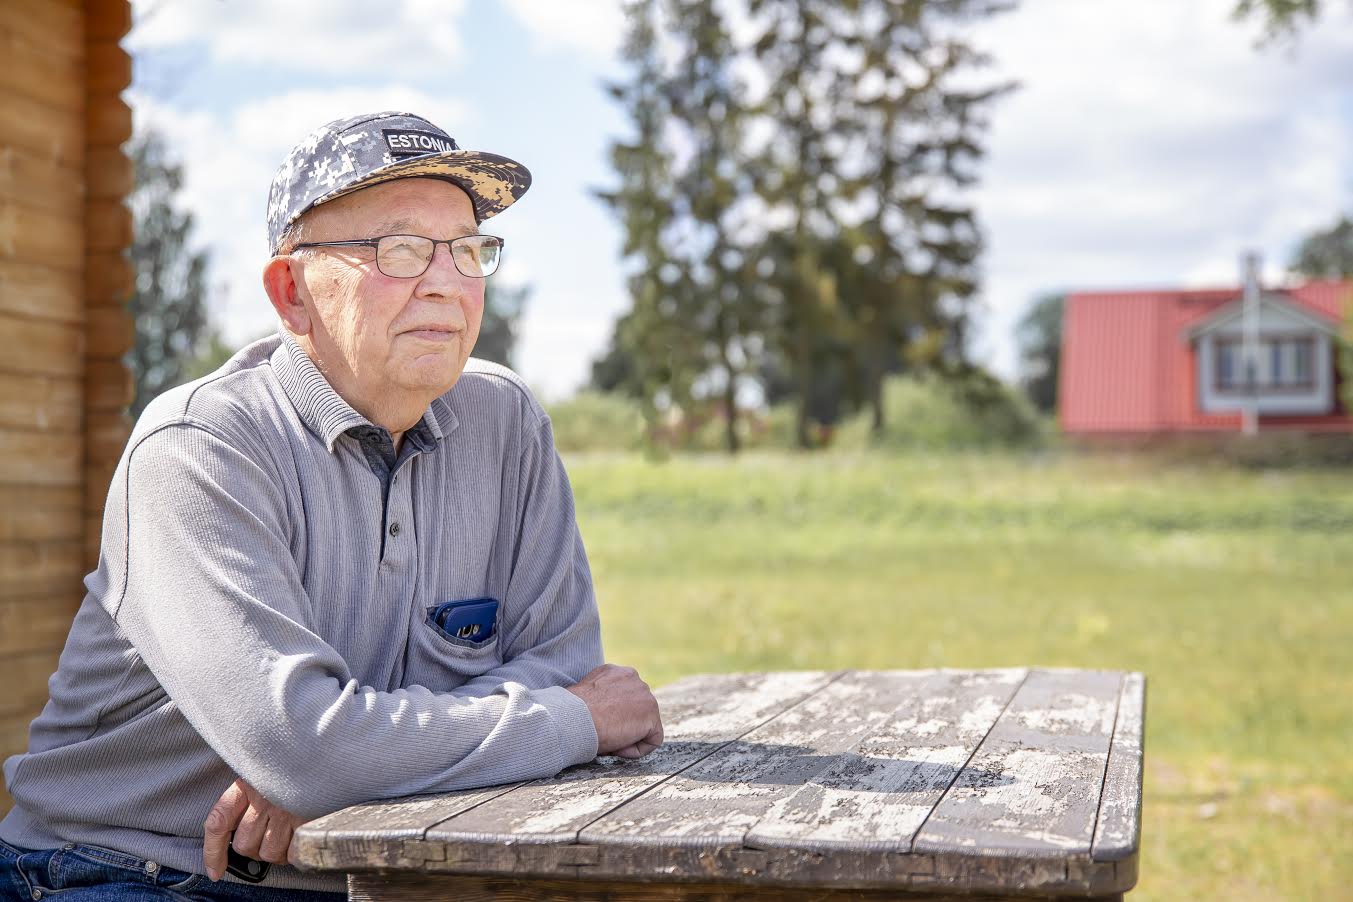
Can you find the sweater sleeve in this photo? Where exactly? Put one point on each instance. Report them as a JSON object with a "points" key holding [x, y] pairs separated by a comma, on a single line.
{"points": [[213, 602], [553, 637]]}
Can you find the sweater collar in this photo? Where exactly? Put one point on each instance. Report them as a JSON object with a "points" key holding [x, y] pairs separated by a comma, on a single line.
{"points": [[324, 411]]}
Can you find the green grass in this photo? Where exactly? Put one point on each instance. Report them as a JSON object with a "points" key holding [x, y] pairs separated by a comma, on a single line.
{"points": [[1232, 590]]}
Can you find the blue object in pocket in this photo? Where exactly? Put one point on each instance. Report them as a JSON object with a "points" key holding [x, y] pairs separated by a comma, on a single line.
{"points": [[471, 620]]}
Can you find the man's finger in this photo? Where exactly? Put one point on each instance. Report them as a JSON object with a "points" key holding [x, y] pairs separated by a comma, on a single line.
{"points": [[276, 838], [249, 833], [222, 818]]}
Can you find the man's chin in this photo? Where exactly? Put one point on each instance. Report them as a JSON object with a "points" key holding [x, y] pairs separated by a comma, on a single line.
{"points": [[431, 373]]}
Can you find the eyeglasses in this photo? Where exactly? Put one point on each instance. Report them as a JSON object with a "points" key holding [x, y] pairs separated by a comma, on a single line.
{"points": [[409, 256]]}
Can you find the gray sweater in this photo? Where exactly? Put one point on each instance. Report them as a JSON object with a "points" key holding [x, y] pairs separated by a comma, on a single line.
{"points": [[261, 609]]}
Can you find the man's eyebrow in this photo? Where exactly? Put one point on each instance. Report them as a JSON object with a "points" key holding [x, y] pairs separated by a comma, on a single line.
{"points": [[403, 226]]}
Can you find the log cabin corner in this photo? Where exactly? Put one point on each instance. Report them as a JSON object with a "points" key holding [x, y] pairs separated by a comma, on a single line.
{"points": [[64, 283]]}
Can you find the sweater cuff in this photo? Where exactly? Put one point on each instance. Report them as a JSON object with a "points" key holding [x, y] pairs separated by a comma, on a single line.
{"points": [[577, 733]]}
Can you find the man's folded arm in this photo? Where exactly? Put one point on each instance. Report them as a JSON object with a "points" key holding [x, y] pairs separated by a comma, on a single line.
{"points": [[213, 602], [552, 631]]}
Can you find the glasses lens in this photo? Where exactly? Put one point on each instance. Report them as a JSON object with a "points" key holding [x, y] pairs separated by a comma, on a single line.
{"points": [[403, 255], [477, 255]]}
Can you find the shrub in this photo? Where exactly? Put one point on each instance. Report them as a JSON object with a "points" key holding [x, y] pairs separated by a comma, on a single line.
{"points": [[932, 413], [593, 421]]}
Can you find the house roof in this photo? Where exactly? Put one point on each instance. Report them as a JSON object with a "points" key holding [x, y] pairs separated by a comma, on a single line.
{"points": [[1278, 300], [1127, 365]]}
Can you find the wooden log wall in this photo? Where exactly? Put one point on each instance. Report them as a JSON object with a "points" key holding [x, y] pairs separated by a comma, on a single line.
{"points": [[64, 282]]}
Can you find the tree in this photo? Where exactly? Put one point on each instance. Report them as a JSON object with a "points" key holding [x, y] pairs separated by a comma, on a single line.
{"points": [[661, 354], [169, 306], [913, 135], [1327, 254], [614, 370], [1280, 18], [706, 107], [797, 167], [1039, 336], [498, 331], [873, 139], [814, 238]]}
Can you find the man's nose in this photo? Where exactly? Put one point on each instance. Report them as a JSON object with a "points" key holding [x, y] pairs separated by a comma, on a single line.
{"points": [[442, 277]]}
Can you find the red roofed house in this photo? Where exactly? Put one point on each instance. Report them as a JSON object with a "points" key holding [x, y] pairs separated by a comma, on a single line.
{"points": [[1143, 363]]}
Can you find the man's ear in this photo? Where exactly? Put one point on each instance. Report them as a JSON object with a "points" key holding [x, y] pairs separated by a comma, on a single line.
{"points": [[280, 283]]}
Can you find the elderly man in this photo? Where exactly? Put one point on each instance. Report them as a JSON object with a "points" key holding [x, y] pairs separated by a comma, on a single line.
{"points": [[343, 567]]}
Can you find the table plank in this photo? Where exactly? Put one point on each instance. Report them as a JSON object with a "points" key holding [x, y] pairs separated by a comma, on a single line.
{"points": [[1032, 788], [1118, 831], [390, 830], [875, 797]]}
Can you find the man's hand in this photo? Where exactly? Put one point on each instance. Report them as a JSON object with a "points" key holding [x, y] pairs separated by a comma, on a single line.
{"points": [[623, 710], [262, 830]]}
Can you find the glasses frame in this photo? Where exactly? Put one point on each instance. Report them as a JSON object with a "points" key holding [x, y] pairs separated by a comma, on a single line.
{"points": [[374, 244]]}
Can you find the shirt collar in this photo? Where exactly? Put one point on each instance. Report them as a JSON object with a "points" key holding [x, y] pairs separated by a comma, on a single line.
{"points": [[323, 410]]}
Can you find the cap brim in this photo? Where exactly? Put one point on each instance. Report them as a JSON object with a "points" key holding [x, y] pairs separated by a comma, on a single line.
{"points": [[494, 183]]}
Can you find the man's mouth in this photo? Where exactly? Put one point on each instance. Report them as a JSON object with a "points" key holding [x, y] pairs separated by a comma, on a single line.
{"points": [[433, 333]]}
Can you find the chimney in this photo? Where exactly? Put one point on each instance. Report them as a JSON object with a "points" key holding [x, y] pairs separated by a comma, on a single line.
{"points": [[1250, 266]]}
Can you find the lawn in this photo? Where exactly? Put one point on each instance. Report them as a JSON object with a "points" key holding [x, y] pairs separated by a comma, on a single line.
{"points": [[1232, 590]]}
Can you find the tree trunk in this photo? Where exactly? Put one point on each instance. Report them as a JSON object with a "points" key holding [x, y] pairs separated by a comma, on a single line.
{"points": [[803, 380], [730, 399], [876, 403], [877, 369]]}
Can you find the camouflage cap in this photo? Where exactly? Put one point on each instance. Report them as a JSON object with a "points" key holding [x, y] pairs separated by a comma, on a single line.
{"points": [[347, 155]]}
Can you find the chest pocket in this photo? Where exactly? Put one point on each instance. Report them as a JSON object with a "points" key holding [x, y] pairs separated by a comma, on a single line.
{"points": [[442, 661]]}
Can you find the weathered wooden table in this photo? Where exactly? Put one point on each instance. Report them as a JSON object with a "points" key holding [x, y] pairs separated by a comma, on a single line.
{"points": [[800, 785]]}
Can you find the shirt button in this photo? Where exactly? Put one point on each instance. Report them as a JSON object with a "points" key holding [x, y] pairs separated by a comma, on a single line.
{"points": [[394, 528]]}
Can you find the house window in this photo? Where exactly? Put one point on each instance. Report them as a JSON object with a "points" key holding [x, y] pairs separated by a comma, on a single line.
{"points": [[1290, 367], [1228, 366], [1285, 363], [1303, 364]]}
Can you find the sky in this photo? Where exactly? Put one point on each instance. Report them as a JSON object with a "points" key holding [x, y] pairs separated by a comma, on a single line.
{"points": [[1149, 143]]}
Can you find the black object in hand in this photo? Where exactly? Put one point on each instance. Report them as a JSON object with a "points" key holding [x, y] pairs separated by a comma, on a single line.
{"points": [[250, 870]]}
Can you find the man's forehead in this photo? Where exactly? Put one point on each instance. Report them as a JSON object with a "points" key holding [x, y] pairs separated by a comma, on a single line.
{"points": [[404, 205]]}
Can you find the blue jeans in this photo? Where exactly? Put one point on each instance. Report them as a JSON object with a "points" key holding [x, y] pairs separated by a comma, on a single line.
{"points": [[82, 873]]}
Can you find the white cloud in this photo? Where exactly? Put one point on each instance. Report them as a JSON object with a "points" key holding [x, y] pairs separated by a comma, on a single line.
{"points": [[230, 158], [396, 39], [594, 27], [1150, 146]]}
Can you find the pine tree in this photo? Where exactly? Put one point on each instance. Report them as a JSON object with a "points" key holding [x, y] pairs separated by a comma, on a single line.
{"points": [[912, 137], [1327, 254], [705, 100], [661, 352], [1039, 335], [169, 304], [795, 177], [498, 330]]}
